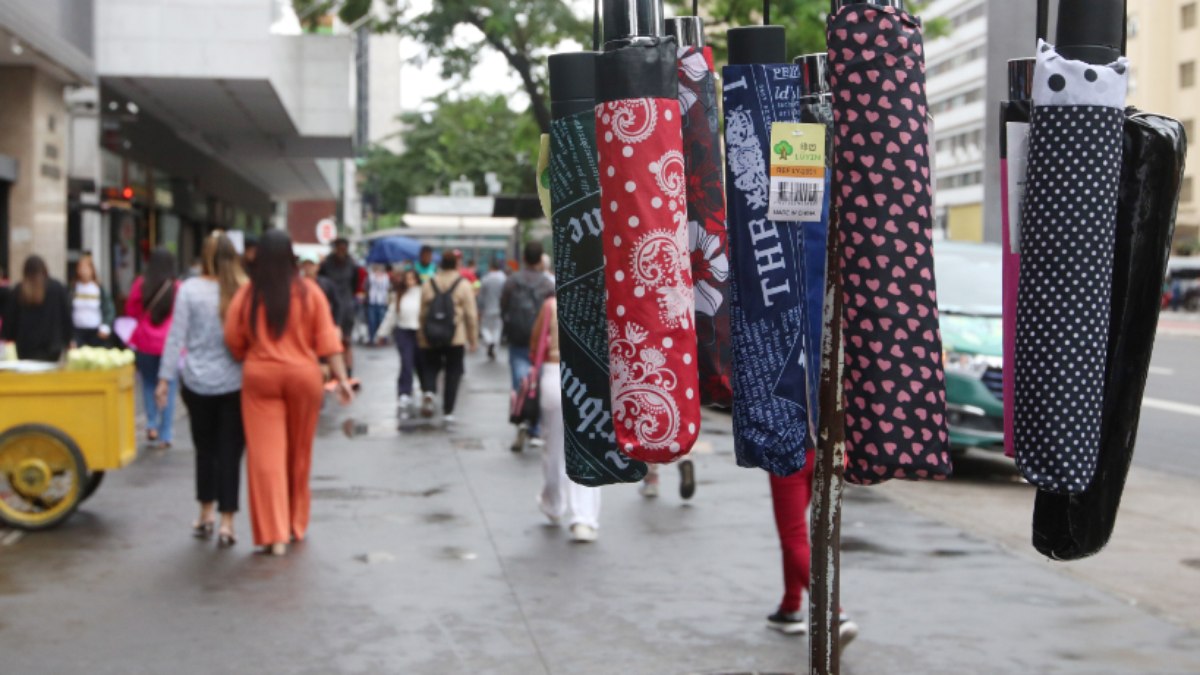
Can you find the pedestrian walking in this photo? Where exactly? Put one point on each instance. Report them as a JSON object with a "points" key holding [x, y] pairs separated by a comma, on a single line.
{"points": [[341, 270], [425, 265], [151, 303], [561, 498], [521, 299], [449, 326], [790, 498], [210, 383], [92, 310], [687, 480], [278, 326], [379, 287], [491, 322], [37, 318], [401, 322]]}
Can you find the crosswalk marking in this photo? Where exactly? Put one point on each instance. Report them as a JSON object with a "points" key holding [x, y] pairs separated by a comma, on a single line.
{"points": [[1172, 406]]}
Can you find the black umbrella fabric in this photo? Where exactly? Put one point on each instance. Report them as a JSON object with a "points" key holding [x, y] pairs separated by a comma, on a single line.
{"points": [[707, 237], [894, 384], [1069, 527], [648, 275], [1064, 297], [769, 326], [592, 457]]}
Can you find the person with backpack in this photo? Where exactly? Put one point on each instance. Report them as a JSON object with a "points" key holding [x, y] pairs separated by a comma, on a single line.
{"points": [[520, 301], [449, 326]]}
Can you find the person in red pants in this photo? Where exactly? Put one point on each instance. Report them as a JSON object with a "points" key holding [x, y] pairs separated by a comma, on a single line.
{"points": [[791, 498]]}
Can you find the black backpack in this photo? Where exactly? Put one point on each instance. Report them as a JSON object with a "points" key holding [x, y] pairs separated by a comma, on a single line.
{"points": [[523, 307], [439, 322]]}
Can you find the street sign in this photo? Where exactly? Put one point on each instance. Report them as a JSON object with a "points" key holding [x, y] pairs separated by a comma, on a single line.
{"points": [[326, 231]]}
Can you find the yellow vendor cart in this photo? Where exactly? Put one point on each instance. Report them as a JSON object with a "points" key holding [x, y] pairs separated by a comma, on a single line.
{"points": [[60, 430]]}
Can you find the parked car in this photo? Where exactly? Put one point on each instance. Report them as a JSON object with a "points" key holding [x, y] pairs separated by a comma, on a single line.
{"points": [[1183, 277], [970, 304]]}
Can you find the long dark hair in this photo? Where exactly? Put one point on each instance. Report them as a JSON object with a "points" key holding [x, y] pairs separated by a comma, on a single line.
{"points": [[34, 278], [403, 285], [272, 278], [160, 271]]}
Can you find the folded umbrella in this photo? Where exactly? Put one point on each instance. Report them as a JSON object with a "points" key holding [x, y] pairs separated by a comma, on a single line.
{"points": [[1014, 150], [707, 237], [592, 456], [648, 276], [1068, 232], [768, 321], [1069, 527], [894, 384]]}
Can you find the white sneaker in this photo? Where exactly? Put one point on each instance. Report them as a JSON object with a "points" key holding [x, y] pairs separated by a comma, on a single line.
{"points": [[405, 401], [427, 402], [583, 534], [448, 419], [536, 442], [649, 490], [847, 630]]}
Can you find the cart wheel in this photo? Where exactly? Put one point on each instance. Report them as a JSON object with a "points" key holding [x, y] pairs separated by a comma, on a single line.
{"points": [[42, 476], [94, 480]]}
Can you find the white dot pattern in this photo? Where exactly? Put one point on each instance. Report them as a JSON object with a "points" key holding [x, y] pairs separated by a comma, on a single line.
{"points": [[1064, 295]]}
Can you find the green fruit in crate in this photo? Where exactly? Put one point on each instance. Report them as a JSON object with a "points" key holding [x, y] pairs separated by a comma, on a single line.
{"points": [[97, 358]]}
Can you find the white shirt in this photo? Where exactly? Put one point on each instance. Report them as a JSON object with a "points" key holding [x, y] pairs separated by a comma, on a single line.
{"points": [[85, 308], [410, 309]]}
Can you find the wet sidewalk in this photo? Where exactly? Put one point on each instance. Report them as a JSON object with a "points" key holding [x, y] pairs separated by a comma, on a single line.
{"points": [[427, 554]]}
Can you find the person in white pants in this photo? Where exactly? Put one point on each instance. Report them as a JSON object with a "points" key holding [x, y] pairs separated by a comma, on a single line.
{"points": [[560, 497]]}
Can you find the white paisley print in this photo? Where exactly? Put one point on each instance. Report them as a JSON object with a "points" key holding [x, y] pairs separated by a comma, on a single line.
{"points": [[641, 388], [745, 158], [634, 120]]}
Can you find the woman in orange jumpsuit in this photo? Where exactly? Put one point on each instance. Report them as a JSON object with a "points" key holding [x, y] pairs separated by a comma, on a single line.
{"points": [[279, 325]]}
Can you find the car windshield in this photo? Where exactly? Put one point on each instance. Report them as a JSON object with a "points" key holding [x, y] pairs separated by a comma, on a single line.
{"points": [[968, 277]]}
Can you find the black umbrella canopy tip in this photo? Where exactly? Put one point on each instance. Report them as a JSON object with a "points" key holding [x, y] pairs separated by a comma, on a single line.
{"points": [[1092, 31], [749, 45], [572, 83]]}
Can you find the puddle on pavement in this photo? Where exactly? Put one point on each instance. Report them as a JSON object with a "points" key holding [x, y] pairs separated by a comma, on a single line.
{"points": [[456, 553], [1193, 563], [948, 553], [438, 517], [464, 443], [852, 544], [359, 493]]}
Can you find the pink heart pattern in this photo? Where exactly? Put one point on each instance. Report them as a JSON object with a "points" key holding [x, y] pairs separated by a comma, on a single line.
{"points": [[887, 259]]}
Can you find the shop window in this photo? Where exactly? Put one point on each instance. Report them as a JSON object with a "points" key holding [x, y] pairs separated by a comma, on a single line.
{"points": [[1187, 16], [1187, 75]]}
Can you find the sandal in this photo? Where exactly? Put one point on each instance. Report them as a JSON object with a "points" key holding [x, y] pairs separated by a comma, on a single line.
{"points": [[152, 435], [203, 530], [226, 540]]}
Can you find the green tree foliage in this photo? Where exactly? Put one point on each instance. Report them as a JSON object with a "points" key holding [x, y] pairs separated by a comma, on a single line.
{"points": [[458, 137], [311, 12], [804, 21], [524, 32]]}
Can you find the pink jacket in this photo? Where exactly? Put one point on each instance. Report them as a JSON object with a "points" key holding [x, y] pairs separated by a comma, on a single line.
{"points": [[147, 338]]}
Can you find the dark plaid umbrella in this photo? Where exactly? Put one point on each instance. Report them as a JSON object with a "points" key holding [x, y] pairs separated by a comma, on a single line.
{"points": [[707, 238], [1068, 232], [648, 276], [768, 322], [895, 384], [592, 457], [1068, 527]]}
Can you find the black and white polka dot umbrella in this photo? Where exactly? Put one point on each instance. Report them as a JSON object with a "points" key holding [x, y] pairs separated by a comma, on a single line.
{"points": [[1067, 240]]}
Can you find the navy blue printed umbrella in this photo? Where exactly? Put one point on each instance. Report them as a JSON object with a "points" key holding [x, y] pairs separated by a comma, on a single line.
{"points": [[768, 323]]}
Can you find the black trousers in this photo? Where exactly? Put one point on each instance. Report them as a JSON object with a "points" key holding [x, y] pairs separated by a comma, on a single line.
{"points": [[450, 359], [219, 439]]}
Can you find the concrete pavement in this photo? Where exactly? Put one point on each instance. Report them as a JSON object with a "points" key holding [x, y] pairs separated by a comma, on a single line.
{"points": [[428, 555]]}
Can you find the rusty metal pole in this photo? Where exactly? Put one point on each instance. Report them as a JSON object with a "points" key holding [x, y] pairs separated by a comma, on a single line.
{"points": [[829, 475]]}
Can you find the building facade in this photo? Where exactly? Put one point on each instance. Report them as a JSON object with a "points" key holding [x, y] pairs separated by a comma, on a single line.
{"points": [[46, 46], [1164, 53], [956, 75]]}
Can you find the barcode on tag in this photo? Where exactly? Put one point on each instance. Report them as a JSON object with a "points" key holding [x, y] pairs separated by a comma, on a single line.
{"points": [[796, 199]]}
